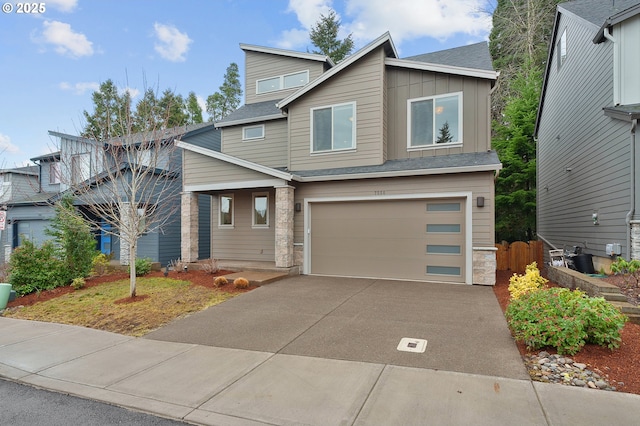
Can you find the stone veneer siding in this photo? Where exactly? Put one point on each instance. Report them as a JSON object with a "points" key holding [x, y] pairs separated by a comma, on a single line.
{"points": [[284, 227], [189, 227], [635, 240], [484, 265]]}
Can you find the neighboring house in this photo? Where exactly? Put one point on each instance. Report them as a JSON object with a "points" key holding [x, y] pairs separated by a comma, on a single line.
{"points": [[83, 162], [588, 161], [374, 167], [16, 186]]}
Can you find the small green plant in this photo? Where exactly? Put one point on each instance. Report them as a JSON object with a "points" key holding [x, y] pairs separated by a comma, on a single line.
{"points": [[520, 285], [143, 266], [241, 283], [100, 264], [629, 269], [220, 281], [564, 319], [78, 283]]}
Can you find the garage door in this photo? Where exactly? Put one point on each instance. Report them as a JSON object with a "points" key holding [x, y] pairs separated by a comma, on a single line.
{"points": [[402, 239]]}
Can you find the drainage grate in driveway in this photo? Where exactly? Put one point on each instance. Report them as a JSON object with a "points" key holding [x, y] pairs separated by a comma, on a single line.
{"points": [[408, 344]]}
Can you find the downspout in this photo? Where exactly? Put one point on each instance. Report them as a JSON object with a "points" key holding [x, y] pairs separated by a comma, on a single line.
{"points": [[607, 34], [632, 198]]}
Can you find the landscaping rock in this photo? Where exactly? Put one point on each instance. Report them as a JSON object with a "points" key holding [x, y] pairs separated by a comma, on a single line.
{"points": [[547, 368]]}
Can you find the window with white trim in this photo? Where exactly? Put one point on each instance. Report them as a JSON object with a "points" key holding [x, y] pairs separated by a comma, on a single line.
{"points": [[261, 210], [282, 82], [80, 167], [562, 49], [253, 132], [434, 121], [333, 128], [54, 172], [225, 216]]}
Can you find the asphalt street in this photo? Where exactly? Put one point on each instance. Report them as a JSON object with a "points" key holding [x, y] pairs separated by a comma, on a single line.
{"points": [[28, 406]]}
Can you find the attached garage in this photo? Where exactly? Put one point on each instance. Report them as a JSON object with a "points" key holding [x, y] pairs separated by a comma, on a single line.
{"points": [[422, 239]]}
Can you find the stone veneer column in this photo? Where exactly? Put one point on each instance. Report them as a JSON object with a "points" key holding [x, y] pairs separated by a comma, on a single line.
{"points": [[284, 227], [189, 227], [484, 265], [634, 250]]}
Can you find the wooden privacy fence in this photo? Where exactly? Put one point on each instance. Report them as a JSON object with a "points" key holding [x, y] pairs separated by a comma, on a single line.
{"points": [[517, 255]]}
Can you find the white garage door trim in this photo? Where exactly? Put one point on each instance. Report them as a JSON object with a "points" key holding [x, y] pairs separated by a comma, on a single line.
{"points": [[468, 278]]}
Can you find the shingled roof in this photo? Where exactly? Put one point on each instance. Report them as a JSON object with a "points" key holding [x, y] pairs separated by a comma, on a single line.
{"points": [[475, 56]]}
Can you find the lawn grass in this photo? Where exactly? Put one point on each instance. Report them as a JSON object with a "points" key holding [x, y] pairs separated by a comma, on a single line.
{"points": [[159, 301]]}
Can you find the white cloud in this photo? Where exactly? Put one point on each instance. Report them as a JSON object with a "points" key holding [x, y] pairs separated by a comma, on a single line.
{"points": [[66, 41], [408, 19], [63, 5], [79, 88], [7, 146], [202, 103], [404, 19], [132, 92], [172, 44]]}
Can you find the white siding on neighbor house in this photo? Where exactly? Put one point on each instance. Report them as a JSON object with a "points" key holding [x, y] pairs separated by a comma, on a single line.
{"points": [[479, 184], [243, 242], [70, 148], [583, 156], [270, 151], [361, 83], [17, 186], [403, 84], [260, 65]]}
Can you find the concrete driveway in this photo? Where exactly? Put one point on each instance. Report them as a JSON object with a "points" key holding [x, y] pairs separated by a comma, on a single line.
{"points": [[362, 320]]}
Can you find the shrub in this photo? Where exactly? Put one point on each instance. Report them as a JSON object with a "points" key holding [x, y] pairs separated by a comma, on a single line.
{"points": [[220, 281], [100, 264], [564, 319], [35, 268], [74, 241], [78, 283], [210, 266], [520, 285], [241, 283], [178, 265], [143, 266], [629, 269]]}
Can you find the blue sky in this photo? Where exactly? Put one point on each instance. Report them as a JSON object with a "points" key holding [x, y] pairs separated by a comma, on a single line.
{"points": [[51, 61]]}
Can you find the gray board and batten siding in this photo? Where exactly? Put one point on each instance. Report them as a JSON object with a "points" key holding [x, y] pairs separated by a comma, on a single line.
{"points": [[583, 156]]}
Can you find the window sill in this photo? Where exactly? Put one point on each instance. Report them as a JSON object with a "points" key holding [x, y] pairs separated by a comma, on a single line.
{"points": [[335, 151], [434, 146]]}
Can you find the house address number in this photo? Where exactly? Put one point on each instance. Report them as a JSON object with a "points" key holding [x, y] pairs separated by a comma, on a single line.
{"points": [[379, 192]]}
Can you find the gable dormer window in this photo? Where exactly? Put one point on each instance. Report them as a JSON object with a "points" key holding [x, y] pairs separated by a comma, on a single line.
{"points": [[282, 82], [434, 121]]}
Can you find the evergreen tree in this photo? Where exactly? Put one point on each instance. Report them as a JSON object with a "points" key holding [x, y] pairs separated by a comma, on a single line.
{"points": [[148, 113], [227, 99], [112, 113], [194, 112], [173, 108], [516, 147], [324, 36], [74, 240], [445, 135]]}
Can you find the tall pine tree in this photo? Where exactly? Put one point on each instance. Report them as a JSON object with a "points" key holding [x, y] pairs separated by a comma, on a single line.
{"points": [[324, 36]]}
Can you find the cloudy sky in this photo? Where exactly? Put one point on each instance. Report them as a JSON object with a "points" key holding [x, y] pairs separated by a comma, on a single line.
{"points": [[53, 57]]}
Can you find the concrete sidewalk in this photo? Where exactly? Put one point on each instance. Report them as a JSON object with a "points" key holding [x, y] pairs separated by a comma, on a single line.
{"points": [[221, 386], [315, 351]]}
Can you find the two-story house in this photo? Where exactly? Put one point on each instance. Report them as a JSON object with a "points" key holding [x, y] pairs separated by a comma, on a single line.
{"points": [[588, 160], [374, 167], [101, 172]]}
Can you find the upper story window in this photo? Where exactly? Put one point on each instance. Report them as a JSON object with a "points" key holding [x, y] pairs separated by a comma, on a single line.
{"points": [[54, 173], [287, 81], [333, 128], [253, 132], [225, 216], [434, 121], [80, 167], [561, 49]]}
